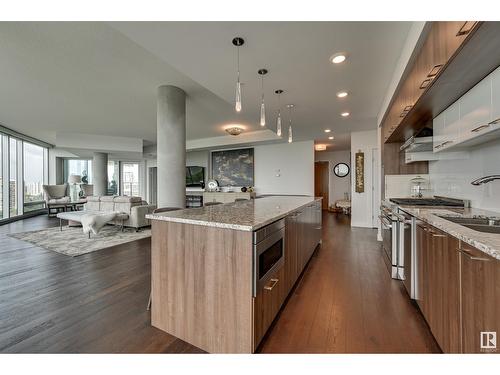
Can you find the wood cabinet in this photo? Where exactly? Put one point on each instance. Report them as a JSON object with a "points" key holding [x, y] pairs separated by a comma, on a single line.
{"points": [[291, 255], [480, 280], [442, 41], [301, 238], [267, 304], [458, 289]]}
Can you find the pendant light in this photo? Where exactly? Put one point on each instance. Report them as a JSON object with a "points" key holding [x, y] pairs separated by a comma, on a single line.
{"points": [[237, 103], [290, 136], [278, 119], [262, 73]]}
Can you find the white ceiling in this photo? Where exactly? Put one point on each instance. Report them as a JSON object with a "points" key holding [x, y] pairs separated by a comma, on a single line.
{"points": [[101, 78]]}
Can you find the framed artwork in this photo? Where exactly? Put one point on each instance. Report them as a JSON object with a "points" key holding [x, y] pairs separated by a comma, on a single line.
{"points": [[360, 172], [233, 167]]}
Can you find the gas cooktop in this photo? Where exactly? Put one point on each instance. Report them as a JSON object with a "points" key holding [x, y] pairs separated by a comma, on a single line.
{"points": [[428, 202]]}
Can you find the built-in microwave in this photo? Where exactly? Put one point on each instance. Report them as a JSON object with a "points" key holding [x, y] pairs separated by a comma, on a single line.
{"points": [[268, 253]]}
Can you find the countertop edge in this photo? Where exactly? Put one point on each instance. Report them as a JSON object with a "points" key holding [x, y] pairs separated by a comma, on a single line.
{"points": [[449, 228], [246, 228]]}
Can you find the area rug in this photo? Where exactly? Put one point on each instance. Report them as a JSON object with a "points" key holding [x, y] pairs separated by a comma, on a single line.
{"points": [[73, 242]]}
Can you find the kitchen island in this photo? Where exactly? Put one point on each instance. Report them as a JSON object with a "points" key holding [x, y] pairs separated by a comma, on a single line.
{"points": [[220, 274]]}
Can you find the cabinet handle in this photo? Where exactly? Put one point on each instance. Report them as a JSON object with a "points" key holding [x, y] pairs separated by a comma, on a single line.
{"points": [[438, 235], [270, 287], [494, 122], [466, 28], [466, 252], [435, 70], [446, 143], [480, 128], [425, 83], [438, 146]]}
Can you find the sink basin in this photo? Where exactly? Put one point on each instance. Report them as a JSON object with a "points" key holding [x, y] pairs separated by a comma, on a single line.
{"points": [[478, 224]]}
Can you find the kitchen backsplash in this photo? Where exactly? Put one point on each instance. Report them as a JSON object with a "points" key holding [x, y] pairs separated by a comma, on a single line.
{"points": [[399, 186], [452, 178]]}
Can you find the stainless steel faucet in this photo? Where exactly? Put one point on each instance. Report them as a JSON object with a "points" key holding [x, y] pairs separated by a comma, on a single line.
{"points": [[485, 179]]}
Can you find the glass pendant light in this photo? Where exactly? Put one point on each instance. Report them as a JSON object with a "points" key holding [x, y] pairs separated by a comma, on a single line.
{"points": [[237, 103], [290, 136], [262, 73], [278, 119]]}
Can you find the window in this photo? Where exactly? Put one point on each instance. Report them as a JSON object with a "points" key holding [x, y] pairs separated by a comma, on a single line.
{"points": [[13, 177], [1, 176], [113, 177], [23, 171], [80, 167], [130, 179], [34, 168]]}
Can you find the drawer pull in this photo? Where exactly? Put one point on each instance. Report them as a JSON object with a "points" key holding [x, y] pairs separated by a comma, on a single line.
{"points": [[466, 252], [438, 235], [435, 70], [270, 287], [466, 28], [480, 128], [425, 83]]}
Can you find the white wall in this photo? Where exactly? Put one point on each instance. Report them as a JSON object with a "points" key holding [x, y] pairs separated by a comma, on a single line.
{"points": [[337, 185], [452, 178], [362, 212], [285, 168], [295, 162]]}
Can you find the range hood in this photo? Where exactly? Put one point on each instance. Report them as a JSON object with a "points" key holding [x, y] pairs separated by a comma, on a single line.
{"points": [[420, 148], [417, 144]]}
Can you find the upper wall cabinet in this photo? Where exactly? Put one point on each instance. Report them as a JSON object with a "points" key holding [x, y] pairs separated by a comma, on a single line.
{"points": [[443, 40], [475, 110], [471, 120]]}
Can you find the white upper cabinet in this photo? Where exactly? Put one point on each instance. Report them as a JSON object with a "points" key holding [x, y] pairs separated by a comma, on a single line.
{"points": [[495, 98], [452, 123], [472, 119], [438, 132], [475, 110]]}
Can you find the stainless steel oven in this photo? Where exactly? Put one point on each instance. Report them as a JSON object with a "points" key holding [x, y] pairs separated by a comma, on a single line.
{"points": [[268, 253], [390, 239]]}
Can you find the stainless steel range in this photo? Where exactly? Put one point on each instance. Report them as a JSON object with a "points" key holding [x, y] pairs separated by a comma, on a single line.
{"points": [[399, 232]]}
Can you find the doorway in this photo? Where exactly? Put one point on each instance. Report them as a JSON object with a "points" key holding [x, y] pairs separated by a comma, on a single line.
{"points": [[321, 182]]}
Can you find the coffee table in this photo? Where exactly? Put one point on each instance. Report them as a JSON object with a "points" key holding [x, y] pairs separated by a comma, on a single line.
{"points": [[74, 218]]}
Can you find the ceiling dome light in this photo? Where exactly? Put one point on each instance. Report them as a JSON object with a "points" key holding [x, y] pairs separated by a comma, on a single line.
{"points": [[234, 130], [338, 58], [345, 114], [320, 147], [327, 130], [331, 138], [342, 94]]}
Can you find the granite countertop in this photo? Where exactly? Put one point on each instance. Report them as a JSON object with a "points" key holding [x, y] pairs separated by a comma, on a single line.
{"points": [[488, 243], [247, 215]]}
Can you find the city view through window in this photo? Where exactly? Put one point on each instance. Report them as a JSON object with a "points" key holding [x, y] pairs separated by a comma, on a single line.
{"points": [[23, 171]]}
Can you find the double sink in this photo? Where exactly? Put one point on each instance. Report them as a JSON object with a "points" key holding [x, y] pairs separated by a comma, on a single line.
{"points": [[480, 224]]}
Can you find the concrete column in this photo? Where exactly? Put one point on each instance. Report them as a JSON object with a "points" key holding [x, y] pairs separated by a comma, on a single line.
{"points": [[171, 146], [100, 173]]}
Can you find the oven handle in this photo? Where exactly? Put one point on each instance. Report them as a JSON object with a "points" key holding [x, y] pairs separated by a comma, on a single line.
{"points": [[385, 222]]}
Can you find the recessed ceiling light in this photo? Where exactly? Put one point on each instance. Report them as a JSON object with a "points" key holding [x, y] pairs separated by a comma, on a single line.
{"points": [[338, 58], [345, 114], [330, 138], [327, 130], [342, 94]]}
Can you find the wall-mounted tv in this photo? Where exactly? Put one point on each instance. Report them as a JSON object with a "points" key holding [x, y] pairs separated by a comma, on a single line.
{"points": [[195, 176]]}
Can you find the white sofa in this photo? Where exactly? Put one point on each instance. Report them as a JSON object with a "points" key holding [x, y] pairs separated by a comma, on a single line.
{"points": [[134, 207]]}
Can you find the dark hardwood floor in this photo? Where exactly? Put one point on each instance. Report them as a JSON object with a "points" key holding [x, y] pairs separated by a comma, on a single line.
{"points": [[96, 303]]}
